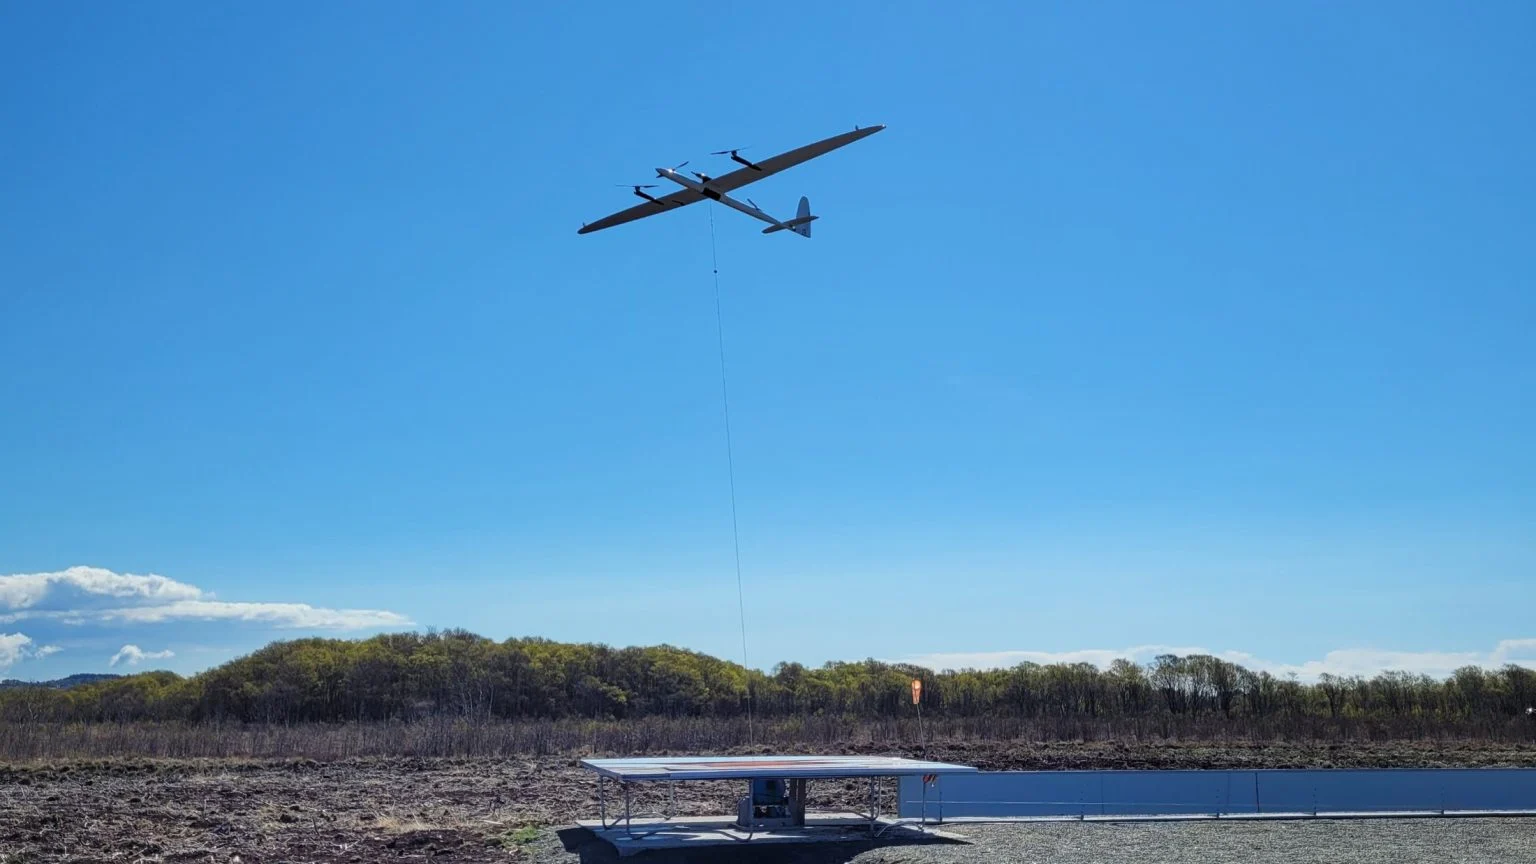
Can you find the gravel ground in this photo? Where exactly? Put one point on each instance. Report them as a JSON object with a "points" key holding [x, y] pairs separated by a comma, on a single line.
{"points": [[1388, 841]]}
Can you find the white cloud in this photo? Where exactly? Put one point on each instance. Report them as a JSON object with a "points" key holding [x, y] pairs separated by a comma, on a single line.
{"points": [[82, 595], [26, 590], [1342, 662], [1100, 657], [15, 647], [277, 614], [1368, 662], [133, 655], [1520, 651]]}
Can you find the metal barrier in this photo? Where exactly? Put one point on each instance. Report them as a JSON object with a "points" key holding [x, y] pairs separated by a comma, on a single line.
{"points": [[1194, 794]]}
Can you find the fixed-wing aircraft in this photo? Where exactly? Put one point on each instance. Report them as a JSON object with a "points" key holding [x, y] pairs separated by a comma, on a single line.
{"points": [[715, 188]]}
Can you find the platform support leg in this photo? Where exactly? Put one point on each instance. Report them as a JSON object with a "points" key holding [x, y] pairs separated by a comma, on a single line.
{"points": [[797, 801]]}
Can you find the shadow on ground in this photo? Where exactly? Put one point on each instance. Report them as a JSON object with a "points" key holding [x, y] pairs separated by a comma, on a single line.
{"points": [[593, 850]]}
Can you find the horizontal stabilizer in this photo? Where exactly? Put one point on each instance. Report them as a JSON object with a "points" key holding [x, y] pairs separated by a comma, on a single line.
{"points": [[801, 224]]}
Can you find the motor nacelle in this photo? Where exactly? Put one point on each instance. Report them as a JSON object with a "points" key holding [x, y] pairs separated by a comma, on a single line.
{"points": [[639, 186], [737, 158]]}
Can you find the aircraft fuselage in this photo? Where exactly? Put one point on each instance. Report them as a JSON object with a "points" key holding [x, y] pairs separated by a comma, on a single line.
{"points": [[702, 187]]}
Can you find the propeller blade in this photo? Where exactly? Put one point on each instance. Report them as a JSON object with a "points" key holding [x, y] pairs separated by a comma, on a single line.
{"points": [[636, 185], [731, 152]]}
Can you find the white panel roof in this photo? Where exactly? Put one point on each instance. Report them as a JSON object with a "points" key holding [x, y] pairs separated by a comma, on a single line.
{"points": [[765, 767]]}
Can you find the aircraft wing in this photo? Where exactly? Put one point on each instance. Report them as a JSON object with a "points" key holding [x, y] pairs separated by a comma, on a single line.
{"points": [[664, 204], [741, 177], [734, 180]]}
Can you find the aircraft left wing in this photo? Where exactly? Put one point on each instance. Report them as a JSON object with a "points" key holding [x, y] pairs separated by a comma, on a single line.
{"points": [[664, 204]]}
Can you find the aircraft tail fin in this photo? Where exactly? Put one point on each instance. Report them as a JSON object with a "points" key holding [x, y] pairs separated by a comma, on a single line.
{"points": [[803, 218], [801, 224]]}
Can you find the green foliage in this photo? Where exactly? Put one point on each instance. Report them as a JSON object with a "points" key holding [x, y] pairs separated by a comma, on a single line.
{"points": [[410, 676], [520, 837]]}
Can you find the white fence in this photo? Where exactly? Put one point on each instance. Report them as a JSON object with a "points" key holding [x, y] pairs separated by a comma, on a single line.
{"points": [[1112, 794]]}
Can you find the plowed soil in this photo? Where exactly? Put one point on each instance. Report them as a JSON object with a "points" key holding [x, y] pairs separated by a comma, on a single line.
{"points": [[457, 811]]}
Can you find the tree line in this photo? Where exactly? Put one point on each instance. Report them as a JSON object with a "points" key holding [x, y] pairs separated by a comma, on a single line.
{"points": [[411, 676]]}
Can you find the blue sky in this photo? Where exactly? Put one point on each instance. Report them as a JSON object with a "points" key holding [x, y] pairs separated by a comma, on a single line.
{"points": [[1204, 326]]}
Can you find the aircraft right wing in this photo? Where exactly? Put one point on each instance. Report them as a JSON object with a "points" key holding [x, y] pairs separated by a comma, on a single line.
{"points": [[664, 204], [742, 176]]}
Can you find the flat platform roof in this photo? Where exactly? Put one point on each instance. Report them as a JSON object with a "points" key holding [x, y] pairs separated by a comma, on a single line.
{"points": [[765, 767]]}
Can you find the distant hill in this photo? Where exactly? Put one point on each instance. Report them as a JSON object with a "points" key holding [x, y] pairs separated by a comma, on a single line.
{"points": [[60, 684], [457, 674]]}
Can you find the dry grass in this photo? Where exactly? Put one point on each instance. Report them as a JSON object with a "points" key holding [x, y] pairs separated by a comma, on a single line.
{"points": [[391, 824], [443, 737]]}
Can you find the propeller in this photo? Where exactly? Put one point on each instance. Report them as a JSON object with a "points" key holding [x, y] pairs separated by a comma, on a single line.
{"points": [[736, 157], [639, 188]]}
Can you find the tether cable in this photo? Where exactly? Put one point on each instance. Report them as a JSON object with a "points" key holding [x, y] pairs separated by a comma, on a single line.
{"points": [[730, 461]]}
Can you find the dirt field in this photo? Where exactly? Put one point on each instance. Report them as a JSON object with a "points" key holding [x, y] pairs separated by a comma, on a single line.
{"points": [[458, 812]]}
